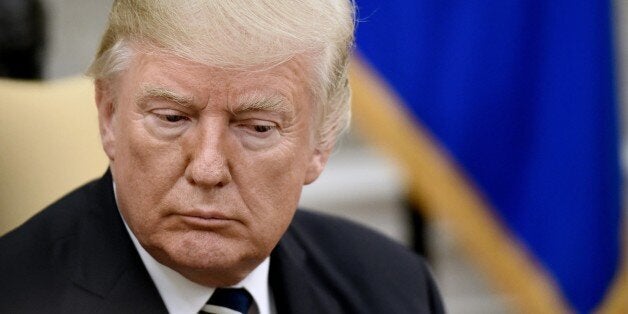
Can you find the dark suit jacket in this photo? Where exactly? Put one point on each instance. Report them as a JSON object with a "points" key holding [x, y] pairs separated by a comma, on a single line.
{"points": [[76, 257]]}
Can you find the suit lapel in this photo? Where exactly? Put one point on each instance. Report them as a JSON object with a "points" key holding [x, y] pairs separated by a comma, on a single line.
{"points": [[107, 263], [293, 280]]}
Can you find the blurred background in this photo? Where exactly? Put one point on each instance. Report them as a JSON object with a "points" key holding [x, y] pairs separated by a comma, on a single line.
{"points": [[487, 136]]}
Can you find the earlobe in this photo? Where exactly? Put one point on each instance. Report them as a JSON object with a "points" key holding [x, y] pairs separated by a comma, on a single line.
{"points": [[105, 105], [317, 164]]}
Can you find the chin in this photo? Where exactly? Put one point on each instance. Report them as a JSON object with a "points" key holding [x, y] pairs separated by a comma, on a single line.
{"points": [[212, 270], [210, 262]]}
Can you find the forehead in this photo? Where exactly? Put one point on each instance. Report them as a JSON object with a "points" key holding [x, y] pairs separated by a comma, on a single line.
{"points": [[168, 75]]}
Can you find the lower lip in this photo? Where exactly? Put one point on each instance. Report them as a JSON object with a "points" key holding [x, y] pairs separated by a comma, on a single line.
{"points": [[206, 223]]}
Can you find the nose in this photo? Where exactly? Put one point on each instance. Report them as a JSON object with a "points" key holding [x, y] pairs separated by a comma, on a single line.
{"points": [[208, 164]]}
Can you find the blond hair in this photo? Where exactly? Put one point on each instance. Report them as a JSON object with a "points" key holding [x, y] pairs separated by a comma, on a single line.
{"points": [[241, 34]]}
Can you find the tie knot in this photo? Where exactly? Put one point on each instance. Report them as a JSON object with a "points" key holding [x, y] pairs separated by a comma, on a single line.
{"points": [[228, 301]]}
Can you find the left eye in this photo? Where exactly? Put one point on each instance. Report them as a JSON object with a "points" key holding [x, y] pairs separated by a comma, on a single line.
{"points": [[262, 128], [173, 118]]}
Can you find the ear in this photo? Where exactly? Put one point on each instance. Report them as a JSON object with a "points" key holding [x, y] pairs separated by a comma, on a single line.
{"points": [[317, 163], [105, 100]]}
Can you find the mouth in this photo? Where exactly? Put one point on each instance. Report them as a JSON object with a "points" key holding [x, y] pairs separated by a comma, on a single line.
{"points": [[206, 220]]}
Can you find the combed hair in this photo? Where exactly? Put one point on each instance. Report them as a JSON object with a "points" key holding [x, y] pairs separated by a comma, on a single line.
{"points": [[242, 34]]}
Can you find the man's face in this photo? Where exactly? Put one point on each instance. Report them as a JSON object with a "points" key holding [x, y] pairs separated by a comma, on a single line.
{"points": [[209, 163]]}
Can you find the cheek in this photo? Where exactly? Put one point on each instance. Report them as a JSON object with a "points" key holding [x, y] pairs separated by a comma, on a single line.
{"points": [[142, 153], [144, 172], [271, 188]]}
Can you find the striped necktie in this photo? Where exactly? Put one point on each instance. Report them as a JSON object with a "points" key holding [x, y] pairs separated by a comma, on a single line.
{"points": [[228, 301]]}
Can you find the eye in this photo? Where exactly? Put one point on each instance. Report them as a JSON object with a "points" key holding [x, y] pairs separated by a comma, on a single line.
{"points": [[168, 123], [262, 128], [172, 118], [256, 134], [258, 128]]}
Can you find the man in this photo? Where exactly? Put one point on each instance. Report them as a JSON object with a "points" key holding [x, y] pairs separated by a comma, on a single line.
{"points": [[213, 114]]}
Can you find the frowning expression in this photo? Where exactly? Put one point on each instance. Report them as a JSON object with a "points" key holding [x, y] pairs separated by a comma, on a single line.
{"points": [[209, 163]]}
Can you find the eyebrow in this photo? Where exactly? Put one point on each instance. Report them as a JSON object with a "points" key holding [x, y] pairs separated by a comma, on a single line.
{"points": [[261, 102], [149, 91]]}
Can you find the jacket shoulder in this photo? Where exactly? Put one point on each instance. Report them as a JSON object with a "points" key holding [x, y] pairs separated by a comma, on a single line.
{"points": [[40, 255], [360, 259], [339, 236]]}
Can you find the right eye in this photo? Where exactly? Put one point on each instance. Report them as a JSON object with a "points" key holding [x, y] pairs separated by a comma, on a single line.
{"points": [[170, 117]]}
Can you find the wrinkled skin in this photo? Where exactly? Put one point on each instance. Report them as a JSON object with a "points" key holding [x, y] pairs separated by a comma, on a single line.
{"points": [[209, 163]]}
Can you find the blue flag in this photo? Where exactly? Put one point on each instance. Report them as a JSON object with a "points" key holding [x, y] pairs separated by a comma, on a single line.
{"points": [[521, 94]]}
